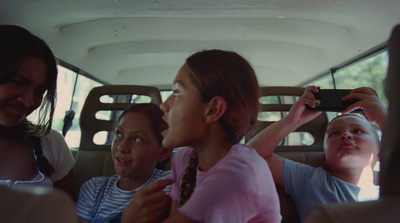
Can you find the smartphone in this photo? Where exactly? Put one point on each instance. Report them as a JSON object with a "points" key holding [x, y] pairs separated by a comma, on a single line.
{"points": [[331, 100]]}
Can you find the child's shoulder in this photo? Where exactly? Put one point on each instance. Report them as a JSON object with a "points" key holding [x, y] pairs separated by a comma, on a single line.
{"points": [[244, 152], [96, 182], [183, 153], [161, 174]]}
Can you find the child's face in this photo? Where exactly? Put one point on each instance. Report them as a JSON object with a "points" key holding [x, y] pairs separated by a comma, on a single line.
{"points": [[135, 149], [20, 96], [184, 113], [350, 143]]}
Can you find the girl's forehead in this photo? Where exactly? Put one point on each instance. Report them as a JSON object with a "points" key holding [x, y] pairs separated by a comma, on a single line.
{"points": [[348, 120], [132, 117], [182, 76], [135, 121]]}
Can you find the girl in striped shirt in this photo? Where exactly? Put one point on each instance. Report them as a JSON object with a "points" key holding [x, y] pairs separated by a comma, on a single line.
{"points": [[138, 160]]}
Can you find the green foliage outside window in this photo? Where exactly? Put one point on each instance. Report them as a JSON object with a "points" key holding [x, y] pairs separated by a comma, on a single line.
{"points": [[369, 72]]}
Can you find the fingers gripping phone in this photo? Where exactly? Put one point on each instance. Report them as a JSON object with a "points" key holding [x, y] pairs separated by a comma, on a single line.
{"points": [[331, 100]]}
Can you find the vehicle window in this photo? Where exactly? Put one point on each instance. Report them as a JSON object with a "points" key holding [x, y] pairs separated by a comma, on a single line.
{"points": [[82, 89], [368, 72], [65, 87], [70, 96], [165, 94]]}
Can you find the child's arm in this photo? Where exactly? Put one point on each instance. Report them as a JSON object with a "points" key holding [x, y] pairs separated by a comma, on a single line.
{"points": [[176, 216], [268, 139], [372, 107], [150, 204]]}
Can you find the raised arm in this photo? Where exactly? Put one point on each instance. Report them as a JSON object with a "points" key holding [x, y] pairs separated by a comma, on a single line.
{"points": [[373, 108], [268, 139]]}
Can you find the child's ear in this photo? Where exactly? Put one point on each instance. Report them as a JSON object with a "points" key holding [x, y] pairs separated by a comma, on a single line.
{"points": [[165, 153], [215, 109], [324, 157]]}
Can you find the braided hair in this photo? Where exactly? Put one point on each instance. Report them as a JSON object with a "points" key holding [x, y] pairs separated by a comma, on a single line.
{"points": [[189, 180], [230, 76]]}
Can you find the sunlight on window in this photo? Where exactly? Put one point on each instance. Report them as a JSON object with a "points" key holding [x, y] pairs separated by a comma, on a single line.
{"points": [[67, 100]]}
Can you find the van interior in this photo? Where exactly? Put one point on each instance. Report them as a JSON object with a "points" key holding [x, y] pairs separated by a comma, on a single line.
{"points": [[145, 42], [132, 50]]}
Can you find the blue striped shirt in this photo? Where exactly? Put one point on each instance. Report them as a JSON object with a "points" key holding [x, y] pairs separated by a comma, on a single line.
{"points": [[114, 199]]}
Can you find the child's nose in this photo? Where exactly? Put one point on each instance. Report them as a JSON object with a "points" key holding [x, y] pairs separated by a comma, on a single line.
{"points": [[164, 106], [347, 135], [124, 147]]}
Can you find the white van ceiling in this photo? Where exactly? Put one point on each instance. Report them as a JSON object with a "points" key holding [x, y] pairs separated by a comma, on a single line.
{"points": [[145, 42]]}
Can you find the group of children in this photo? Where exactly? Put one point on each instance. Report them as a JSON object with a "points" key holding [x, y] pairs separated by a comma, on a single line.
{"points": [[214, 178]]}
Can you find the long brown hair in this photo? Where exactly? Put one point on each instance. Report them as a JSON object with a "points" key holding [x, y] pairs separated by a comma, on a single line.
{"points": [[230, 76], [16, 43]]}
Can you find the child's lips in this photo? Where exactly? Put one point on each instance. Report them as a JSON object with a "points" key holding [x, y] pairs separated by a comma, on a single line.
{"points": [[163, 133], [347, 143], [347, 146], [18, 109], [122, 162]]}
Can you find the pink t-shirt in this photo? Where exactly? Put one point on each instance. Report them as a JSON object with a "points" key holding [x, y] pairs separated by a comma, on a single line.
{"points": [[239, 188]]}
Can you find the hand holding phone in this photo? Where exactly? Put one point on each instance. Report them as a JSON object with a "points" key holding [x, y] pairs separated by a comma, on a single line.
{"points": [[331, 100]]}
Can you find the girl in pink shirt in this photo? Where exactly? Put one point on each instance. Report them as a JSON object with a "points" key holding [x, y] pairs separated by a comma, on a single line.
{"points": [[213, 105]]}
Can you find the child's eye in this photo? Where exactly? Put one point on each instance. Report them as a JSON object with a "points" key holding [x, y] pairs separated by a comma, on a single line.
{"points": [[137, 139], [334, 133], [357, 131], [118, 134], [176, 93]]}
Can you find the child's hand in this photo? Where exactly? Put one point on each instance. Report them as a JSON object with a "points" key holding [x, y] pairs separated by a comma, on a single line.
{"points": [[372, 107], [298, 112], [150, 204]]}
